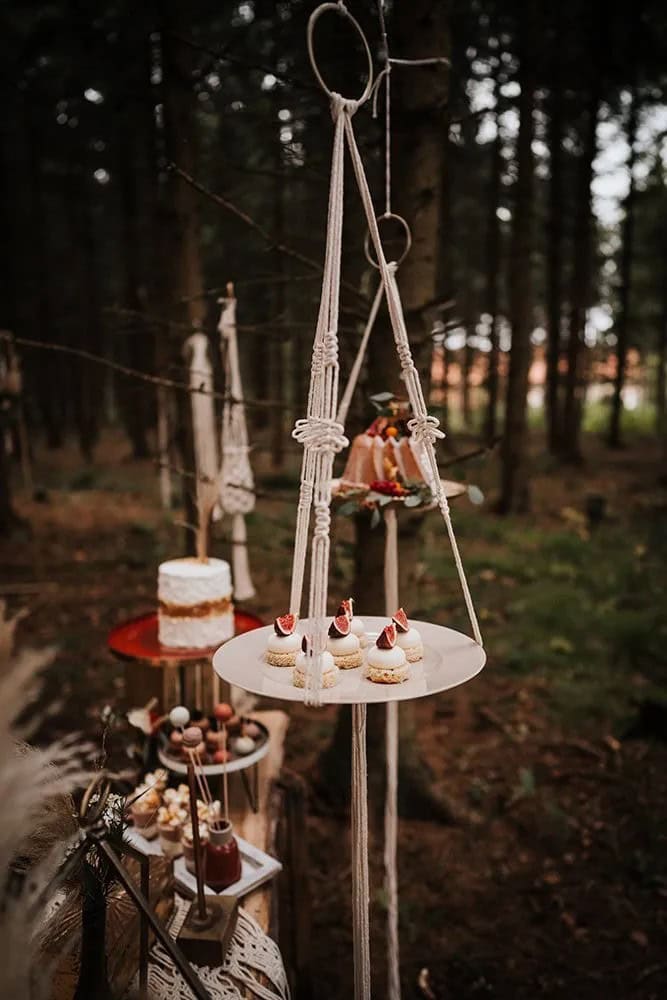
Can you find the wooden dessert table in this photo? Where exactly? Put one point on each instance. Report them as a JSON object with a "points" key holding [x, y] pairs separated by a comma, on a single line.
{"points": [[183, 676]]}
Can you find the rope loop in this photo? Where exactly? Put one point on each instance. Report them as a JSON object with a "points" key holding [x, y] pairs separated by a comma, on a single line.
{"points": [[320, 434], [343, 105], [425, 429], [342, 11]]}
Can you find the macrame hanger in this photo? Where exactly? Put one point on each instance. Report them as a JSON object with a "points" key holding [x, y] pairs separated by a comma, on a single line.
{"points": [[237, 484]]}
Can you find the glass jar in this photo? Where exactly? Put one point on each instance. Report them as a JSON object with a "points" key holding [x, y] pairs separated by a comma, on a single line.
{"points": [[222, 859]]}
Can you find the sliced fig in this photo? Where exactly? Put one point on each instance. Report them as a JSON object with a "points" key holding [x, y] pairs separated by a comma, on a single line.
{"points": [[400, 620], [346, 607], [387, 637], [285, 625], [305, 644], [340, 627]]}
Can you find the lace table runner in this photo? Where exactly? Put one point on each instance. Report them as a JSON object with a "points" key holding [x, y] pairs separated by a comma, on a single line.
{"points": [[251, 956]]}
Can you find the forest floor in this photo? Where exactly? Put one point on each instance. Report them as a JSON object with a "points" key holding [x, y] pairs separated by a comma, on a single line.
{"points": [[553, 882]]}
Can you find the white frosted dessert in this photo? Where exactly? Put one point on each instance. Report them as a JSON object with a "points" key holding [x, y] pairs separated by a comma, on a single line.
{"points": [[342, 644], [386, 662], [283, 643], [330, 671], [408, 638], [195, 609], [357, 625]]}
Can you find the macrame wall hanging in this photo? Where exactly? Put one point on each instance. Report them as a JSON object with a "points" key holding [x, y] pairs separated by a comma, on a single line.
{"points": [[237, 484], [450, 658]]}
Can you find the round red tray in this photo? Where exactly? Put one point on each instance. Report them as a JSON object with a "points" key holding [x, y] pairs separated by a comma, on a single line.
{"points": [[137, 639]]}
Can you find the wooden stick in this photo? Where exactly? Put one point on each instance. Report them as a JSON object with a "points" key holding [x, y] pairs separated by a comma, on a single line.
{"points": [[225, 796]]}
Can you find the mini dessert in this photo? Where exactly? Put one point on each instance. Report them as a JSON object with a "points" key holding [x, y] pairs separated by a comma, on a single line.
{"points": [[387, 663], [213, 740], [357, 624], [244, 745], [170, 820], [179, 716], [283, 645], [157, 779], [407, 638], [188, 845], [176, 741], [234, 724], [342, 644], [252, 730], [195, 609], [330, 671], [223, 712], [222, 757], [177, 796], [143, 811]]}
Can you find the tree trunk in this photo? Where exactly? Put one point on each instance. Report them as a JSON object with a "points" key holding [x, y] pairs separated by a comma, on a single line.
{"points": [[514, 471], [137, 178], [554, 243], [570, 439], [625, 288], [180, 226], [493, 267], [277, 346]]}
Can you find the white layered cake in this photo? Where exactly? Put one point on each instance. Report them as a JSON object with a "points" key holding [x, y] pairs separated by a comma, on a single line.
{"points": [[195, 609]]}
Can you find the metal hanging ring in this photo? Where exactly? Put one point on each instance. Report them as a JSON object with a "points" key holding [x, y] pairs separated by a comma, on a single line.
{"points": [[408, 239], [342, 11], [89, 812]]}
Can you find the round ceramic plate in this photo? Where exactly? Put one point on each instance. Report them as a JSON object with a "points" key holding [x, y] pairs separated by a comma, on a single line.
{"points": [[450, 658], [211, 770]]}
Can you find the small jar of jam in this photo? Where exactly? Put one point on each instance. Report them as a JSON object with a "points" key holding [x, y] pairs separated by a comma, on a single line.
{"points": [[222, 859]]}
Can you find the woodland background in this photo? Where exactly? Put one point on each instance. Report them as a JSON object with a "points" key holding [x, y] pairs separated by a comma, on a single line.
{"points": [[153, 152]]}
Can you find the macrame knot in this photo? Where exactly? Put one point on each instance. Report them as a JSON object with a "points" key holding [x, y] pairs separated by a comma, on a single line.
{"points": [[405, 356], [330, 348], [340, 104], [305, 493], [321, 434], [425, 429], [322, 519]]}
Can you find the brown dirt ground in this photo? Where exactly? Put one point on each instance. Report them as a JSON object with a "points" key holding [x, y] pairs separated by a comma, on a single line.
{"points": [[548, 894]]}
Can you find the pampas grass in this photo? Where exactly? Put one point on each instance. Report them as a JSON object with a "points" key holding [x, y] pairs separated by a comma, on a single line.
{"points": [[37, 822]]}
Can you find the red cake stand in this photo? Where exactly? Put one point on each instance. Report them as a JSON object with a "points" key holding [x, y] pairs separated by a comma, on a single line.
{"points": [[179, 678]]}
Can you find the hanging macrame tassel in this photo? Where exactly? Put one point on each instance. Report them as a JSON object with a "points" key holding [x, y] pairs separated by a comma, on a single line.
{"points": [[360, 882], [237, 485], [243, 586], [391, 792], [204, 435]]}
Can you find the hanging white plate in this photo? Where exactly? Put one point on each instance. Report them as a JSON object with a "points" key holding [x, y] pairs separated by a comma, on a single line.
{"points": [[450, 658]]}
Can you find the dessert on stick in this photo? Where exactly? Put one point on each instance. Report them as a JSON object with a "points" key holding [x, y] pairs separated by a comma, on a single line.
{"points": [[387, 663], [408, 638], [357, 625], [330, 672], [343, 645], [283, 646]]}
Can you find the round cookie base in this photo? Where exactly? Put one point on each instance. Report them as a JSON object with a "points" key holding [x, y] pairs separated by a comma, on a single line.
{"points": [[393, 676], [281, 659], [328, 679], [414, 653], [348, 661]]}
